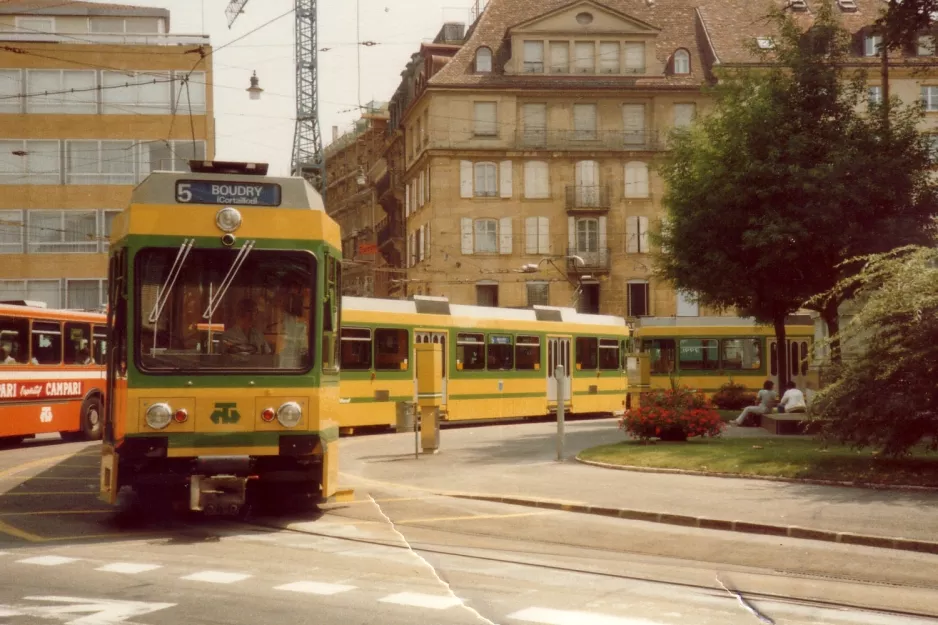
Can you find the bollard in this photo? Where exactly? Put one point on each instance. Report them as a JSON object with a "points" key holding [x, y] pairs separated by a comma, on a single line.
{"points": [[559, 378]]}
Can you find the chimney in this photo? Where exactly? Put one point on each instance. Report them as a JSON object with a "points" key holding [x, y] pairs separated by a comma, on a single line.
{"points": [[451, 33], [335, 134]]}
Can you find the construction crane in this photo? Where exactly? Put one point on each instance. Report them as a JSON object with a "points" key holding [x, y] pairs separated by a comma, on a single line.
{"points": [[308, 159]]}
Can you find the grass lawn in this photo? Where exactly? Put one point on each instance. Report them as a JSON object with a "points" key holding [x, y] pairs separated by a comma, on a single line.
{"points": [[782, 457]]}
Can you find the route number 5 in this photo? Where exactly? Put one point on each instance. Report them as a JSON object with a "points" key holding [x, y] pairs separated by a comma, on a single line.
{"points": [[45, 415], [184, 192]]}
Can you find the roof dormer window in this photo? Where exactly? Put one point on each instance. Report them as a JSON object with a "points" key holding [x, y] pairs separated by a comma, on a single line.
{"points": [[484, 60], [682, 62]]}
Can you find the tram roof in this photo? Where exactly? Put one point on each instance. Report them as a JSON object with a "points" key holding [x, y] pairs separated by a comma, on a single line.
{"points": [[160, 188]]}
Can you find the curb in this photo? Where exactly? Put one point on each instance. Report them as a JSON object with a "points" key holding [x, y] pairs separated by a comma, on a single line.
{"points": [[765, 529], [766, 478]]}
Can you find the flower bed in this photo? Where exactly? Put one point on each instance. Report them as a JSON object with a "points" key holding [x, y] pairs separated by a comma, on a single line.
{"points": [[672, 415]]}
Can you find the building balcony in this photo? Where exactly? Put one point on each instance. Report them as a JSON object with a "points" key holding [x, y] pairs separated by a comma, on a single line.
{"points": [[588, 198], [597, 261], [389, 230], [565, 140]]}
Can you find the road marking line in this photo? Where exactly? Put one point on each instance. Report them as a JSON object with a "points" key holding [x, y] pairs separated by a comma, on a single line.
{"points": [[51, 512], [128, 567], [9, 530], [217, 577], [47, 560], [546, 616], [476, 517], [315, 588], [6, 473], [420, 600]]}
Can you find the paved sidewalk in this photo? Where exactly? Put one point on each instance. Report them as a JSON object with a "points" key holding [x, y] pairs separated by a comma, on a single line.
{"points": [[520, 461]]}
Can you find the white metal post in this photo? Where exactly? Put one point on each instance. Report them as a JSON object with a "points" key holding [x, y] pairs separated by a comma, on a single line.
{"points": [[561, 398]]}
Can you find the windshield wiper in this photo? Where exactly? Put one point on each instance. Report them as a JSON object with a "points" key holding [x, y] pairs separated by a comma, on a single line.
{"points": [[162, 294], [229, 278]]}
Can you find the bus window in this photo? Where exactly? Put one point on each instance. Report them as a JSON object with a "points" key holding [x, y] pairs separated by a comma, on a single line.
{"points": [[470, 352], [356, 349], [587, 356], [609, 354], [699, 355], [391, 348], [14, 341], [804, 358], [501, 353], [47, 343], [527, 353], [742, 354], [77, 343], [661, 355], [99, 346]]}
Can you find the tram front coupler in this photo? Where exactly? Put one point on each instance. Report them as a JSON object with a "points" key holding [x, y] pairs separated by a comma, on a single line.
{"points": [[217, 494]]}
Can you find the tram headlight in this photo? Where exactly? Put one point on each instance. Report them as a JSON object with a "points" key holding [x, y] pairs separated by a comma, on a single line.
{"points": [[159, 416], [228, 219], [289, 414]]}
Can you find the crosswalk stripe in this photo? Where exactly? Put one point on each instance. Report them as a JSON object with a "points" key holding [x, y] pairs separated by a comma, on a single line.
{"points": [[315, 588], [129, 568], [47, 560], [217, 577], [420, 600]]}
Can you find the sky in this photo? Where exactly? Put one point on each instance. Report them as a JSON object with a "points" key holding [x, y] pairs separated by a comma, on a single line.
{"points": [[262, 130]]}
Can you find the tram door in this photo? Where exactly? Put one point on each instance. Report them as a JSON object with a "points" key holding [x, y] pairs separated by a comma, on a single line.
{"points": [[558, 353], [798, 355], [433, 337]]}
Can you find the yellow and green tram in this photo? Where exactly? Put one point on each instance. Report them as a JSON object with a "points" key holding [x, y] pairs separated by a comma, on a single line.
{"points": [[704, 353], [224, 311], [498, 363]]}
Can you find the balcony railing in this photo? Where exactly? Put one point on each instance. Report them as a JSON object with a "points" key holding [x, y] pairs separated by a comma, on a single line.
{"points": [[638, 140], [389, 230], [597, 261], [588, 197]]}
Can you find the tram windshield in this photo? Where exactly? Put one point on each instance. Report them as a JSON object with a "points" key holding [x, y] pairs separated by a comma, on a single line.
{"points": [[224, 309]]}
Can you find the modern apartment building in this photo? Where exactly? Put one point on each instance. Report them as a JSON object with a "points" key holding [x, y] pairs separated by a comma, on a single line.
{"points": [[93, 97]]}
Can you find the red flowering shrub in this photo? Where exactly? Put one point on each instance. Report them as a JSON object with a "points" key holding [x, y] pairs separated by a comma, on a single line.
{"points": [[673, 414]]}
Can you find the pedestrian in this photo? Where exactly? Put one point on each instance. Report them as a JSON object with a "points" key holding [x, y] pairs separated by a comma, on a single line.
{"points": [[792, 400], [765, 399]]}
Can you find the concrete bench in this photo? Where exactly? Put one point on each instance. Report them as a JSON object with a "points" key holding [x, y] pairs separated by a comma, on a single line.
{"points": [[787, 423]]}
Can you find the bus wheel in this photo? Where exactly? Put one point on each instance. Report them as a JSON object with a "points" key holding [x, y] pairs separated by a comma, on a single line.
{"points": [[91, 419]]}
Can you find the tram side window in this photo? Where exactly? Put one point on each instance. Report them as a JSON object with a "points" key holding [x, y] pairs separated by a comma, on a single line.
{"points": [[14, 341], [77, 343], [587, 353], [527, 353], [742, 354], [661, 355], [609, 354], [391, 348], [47, 343], [470, 352], [356, 349], [501, 353], [99, 345]]}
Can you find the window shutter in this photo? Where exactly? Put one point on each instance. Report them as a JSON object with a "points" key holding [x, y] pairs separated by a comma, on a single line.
{"points": [[684, 114], [420, 194], [602, 237], [560, 57], [465, 180], [609, 57], [543, 235], [505, 175], [407, 200], [635, 57], [426, 238], [636, 179], [428, 183], [686, 307], [643, 234], [571, 234], [631, 235], [633, 120], [465, 226], [423, 242], [504, 235], [530, 235], [409, 252]]}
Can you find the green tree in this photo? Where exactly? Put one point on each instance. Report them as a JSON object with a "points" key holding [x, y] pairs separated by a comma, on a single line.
{"points": [[887, 398], [899, 24], [787, 178]]}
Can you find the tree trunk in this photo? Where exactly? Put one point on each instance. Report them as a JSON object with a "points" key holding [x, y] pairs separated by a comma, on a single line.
{"points": [[781, 352], [831, 317], [884, 76]]}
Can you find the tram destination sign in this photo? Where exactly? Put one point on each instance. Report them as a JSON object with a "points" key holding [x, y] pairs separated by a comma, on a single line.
{"points": [[229, 193]]}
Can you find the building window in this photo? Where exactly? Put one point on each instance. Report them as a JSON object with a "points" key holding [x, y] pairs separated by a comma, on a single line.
{"points": [[584, 122], [585, 51], [636, 235], [486, 119], [682, 62], [633, 123], [483, 60], [684, 114], [533, 57], [636, 179], [587, 236], [486, 295], [871, 45], [486, 181], [168, 156], [538, 293], [635, 58], [29, 162], [11, 91], [609, 52], [107, 223], [534, 123], [926, 45], [932, 140], [61, 91], [536, 235], [189, 92], [587, 191], [85, 294], [62, 232], [638, 299], [559, 57], [485, 236], [48, 291], [874, 94], [12, 229], [687, 306], [930, 98], [37, 25], [536, 179], [99, 162]]}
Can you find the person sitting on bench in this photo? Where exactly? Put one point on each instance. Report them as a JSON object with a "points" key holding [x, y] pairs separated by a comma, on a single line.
{"points": [[792, 400], [764, 401]]}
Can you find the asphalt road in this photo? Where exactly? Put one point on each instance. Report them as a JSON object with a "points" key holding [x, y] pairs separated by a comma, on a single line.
{"points": [[397, 555]]}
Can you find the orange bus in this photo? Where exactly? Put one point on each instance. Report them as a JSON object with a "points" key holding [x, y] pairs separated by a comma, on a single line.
{"points": [[52, 372]]}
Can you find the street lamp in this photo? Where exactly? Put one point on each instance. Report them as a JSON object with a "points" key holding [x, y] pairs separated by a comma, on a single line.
{"points": [[254, 90]]}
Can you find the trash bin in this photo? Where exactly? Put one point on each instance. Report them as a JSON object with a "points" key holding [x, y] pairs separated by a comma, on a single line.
{"points": [[405, 416]]}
